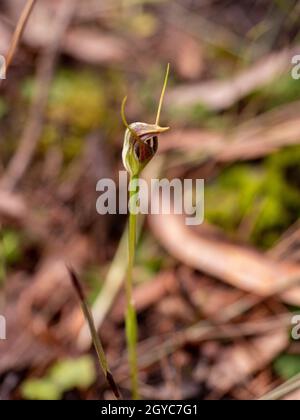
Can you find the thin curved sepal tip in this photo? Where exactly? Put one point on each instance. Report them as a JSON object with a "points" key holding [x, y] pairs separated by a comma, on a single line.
{"points": [[163, 92], [125, 122]]}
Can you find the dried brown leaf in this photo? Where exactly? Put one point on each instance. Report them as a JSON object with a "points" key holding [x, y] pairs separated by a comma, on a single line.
{"points": [[240, 267]]}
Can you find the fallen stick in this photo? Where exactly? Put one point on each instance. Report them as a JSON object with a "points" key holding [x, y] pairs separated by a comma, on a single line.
{"points": [[19, 32]]}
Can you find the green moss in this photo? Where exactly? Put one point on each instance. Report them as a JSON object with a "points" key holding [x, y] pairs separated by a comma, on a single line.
{"points": [[279, 92], [259, 200], [287, 365], [199, 114], [77, 105], [10, 251], [77, 99], [11, 246]]}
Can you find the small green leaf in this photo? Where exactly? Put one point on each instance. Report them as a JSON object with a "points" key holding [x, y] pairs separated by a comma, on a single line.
{"points": [[73, 373], [63, 376], [40, 389]]}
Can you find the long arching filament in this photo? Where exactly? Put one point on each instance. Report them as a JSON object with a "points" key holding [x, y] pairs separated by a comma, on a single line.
{"points": [[162, 95]]}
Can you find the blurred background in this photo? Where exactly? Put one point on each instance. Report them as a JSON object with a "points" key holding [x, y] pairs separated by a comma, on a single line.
{"points": [[215, 302]]}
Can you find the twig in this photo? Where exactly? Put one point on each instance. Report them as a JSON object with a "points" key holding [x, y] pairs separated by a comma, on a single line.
{"points": [[33, 130], [19, 32], [152, 350], [288, 387], [96, 340]]}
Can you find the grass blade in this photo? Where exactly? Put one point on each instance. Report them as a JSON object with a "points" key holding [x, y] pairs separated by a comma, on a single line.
{"points": [[95, 337]]}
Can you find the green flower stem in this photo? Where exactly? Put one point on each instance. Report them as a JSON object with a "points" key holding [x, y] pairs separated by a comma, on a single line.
{"points": [[131, 318], [139, 147]]}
